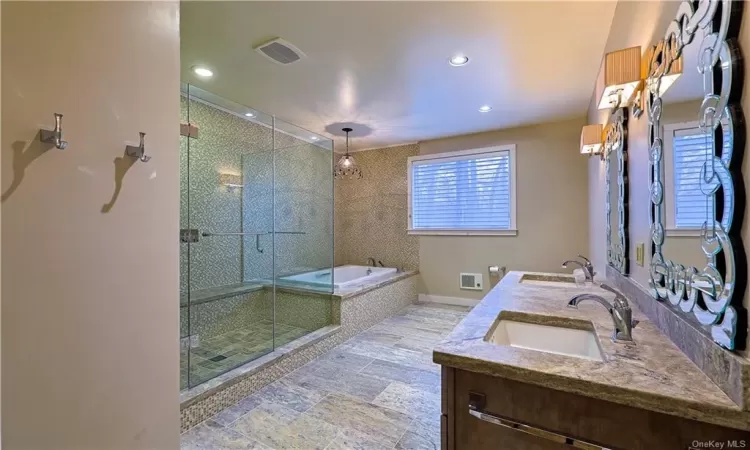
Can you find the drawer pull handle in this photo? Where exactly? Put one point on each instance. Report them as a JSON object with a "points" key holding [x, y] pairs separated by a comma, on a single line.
{"points": [[476, 401]]}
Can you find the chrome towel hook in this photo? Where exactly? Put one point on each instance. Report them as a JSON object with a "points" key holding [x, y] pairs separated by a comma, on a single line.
{"points": [[55, 136], [140, 151]]}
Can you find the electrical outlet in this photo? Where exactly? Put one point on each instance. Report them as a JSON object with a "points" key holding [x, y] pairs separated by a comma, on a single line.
{"points": [[640, 251]]}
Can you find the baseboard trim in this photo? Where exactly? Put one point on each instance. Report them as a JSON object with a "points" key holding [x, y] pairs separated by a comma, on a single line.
{"points": [[458, 301]]}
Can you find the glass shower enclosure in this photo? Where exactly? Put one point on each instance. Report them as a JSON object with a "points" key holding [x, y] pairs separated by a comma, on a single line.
{"points": [[256, 205]]}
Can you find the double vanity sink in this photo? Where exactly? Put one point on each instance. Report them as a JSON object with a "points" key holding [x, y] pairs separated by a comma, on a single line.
{"points": [[526, 370]]}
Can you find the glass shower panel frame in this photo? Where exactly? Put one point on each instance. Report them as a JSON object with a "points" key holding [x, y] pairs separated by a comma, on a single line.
{"points": [[222, 309], [256, 205]]}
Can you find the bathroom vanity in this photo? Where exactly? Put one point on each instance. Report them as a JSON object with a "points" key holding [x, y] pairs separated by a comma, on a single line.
{"points": [[525, 371]]}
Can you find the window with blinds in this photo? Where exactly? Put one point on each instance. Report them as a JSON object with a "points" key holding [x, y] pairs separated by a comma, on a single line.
{"points": [[688, 207], [690, 150], [467, 192]]}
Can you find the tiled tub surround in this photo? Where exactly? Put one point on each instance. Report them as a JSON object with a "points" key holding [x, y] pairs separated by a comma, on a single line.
{"points": [[728, 370], [653, 374], [353, 312], [378, 390], [372, 213]]}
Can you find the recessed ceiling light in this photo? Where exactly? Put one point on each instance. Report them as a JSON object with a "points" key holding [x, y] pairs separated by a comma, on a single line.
{"points": [[203, 71], [314, 138], [458, 60], [485, 108], [249, 114]]}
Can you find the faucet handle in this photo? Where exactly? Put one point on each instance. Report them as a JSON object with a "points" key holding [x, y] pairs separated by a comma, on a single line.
{"points": [[620, 300], [585, 259], [608, 288]]}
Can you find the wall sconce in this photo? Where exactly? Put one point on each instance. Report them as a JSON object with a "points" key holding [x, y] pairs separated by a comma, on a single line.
{"points": [[654, 61], [592, 140], [230, 180], [619, 77]]}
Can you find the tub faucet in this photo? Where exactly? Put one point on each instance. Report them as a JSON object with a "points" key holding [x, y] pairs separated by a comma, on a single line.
{"points": [[371, 262], [588, 268], [622, 315]]}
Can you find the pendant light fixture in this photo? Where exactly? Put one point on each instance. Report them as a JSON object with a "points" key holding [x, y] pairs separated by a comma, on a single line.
{"points": [[347, 168]]}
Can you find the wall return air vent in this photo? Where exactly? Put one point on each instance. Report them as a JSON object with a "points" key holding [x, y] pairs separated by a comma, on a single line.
{"points": [[472, 281], [280, 51]]}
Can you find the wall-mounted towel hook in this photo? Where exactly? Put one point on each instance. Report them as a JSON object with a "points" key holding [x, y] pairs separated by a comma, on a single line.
{"points": [[140, 151], [55, 136]]}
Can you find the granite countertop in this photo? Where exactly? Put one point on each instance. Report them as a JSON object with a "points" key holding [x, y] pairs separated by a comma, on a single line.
{"points": [[653, 374]]}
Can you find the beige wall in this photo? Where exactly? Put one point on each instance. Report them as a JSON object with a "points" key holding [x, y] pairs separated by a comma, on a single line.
{"points": [[643, 23], [90, 319], [551, 210], [372, 213]]}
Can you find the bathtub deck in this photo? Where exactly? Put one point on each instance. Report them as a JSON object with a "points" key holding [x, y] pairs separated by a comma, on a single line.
{"points": [[377, 390]]}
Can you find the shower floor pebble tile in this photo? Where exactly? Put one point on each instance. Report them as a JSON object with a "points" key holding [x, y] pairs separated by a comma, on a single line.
{"points": [[233, 349], [379, 390]]}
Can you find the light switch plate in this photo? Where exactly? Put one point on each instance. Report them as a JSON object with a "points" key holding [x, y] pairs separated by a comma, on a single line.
{"points": [[640, 250]]}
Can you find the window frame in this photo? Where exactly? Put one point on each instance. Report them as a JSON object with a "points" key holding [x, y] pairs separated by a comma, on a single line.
{"points": [[462, 154], [669, 190]]}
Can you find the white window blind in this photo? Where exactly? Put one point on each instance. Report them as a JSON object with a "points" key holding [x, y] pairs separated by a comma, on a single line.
{"points": [[690, 150], [468, 191]]}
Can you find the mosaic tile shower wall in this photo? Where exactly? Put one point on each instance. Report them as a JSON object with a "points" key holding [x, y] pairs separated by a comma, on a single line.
{"points": [[372, 213], [205, 203], [299, 191]]}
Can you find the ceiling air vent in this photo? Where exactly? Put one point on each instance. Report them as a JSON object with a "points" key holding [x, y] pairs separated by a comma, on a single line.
{"points": [[280, 51]]}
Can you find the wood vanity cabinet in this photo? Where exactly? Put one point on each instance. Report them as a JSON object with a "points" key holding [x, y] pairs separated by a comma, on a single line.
{"points": [[554, 414]]}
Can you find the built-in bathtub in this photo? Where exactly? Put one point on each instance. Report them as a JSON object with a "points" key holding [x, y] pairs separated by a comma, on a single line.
{"points": [[343, 277]]}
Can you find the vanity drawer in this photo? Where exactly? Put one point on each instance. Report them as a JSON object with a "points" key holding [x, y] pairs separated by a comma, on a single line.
{"points": [[476, 434], [581, 419]]}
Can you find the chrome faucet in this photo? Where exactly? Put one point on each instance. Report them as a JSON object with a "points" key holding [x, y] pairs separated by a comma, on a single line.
{"points": [[371, 262], [588, 268], [622, 315]]}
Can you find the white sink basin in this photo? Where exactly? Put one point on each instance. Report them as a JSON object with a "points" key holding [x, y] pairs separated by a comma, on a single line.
{"points": [[545, 338]]}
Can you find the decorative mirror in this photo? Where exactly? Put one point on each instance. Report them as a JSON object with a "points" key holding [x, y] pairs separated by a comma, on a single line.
{"points": [[616, 170], [697, 141]]}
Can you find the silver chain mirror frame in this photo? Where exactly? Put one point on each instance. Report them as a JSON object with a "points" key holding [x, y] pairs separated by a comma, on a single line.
{"points": [[712, 296], [616, 143]]}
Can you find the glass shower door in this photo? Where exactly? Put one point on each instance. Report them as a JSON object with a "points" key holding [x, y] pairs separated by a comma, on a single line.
{"points": [[303, 231], [225, 191]]}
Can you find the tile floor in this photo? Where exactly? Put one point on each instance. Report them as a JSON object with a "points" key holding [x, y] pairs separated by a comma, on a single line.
{"points": [[378, 390], [226, 351]]}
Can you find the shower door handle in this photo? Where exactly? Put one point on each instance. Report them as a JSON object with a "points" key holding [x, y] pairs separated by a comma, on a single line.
{"points": [[249, 233], [257, 243]]}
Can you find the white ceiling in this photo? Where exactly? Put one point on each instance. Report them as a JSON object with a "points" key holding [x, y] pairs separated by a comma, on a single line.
{"points": [[384, 65]]}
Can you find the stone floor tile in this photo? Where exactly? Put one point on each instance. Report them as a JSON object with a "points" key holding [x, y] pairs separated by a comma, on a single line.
{"points": [[233, 413], [411, 401], [212, 436], [382, 424]]}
